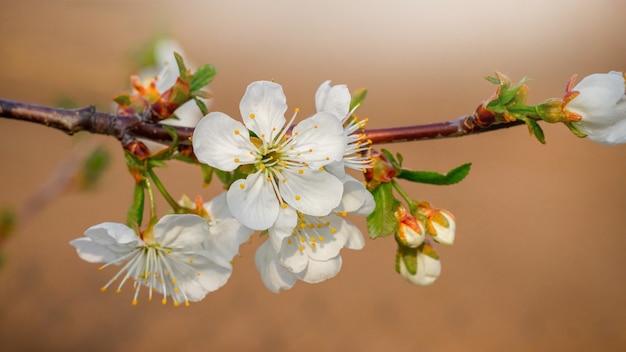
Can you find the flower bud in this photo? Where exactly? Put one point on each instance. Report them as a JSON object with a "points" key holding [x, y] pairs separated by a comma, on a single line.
{"points": [[600, 102], [381, 171], [419, 266], [410, 232], [138, 149], [440, 223]]}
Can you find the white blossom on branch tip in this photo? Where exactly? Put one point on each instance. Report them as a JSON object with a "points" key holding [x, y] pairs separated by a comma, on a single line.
{"points": [[288, 168], [599, 101], [168, 258]]}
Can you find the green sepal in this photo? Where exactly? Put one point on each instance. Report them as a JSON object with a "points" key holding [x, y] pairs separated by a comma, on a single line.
{"points": [[134, 217], [357, 97], [396, 164], [93, 168], [224, 176], [575, 130], [157, 159], [203, 76], [409, 257], [536, 130], [152, 163], [428, 250], [202, 106], [453, 176], [382, 221]]}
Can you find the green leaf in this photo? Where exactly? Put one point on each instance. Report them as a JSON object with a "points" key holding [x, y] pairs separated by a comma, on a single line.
{"points": [[93, 168], [382, 222], [396, 165], [122, 99], [202, 77], [201, 106], [207, 174], [357, 97], [453, 176], [135, 213]]}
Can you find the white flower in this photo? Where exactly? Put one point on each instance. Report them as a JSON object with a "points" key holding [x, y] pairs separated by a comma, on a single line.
{"points": [[410, 232], [310, 252], [288, 169], [336, 100], [601, 105], [428, 269], [168, 258]]}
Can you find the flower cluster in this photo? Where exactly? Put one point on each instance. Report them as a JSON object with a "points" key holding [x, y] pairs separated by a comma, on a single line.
{"points": [[416, 260], [293, 181]]}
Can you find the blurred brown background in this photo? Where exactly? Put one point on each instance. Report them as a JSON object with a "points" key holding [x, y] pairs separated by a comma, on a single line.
{"points": [[539, 261]]}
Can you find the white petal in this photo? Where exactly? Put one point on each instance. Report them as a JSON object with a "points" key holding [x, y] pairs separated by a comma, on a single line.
{"points": [[93, 252], [181, 231], [187, 115], [273, 275], [113, 234], [292, 258], [428, 270], [313, 192], [356, 198], [217, 208], [255, 205], [223, 143], [224, 240], [283, 227], [334, 99], [267, 103], [332, 243], [318, 271], [355, 237], [319, 140]]}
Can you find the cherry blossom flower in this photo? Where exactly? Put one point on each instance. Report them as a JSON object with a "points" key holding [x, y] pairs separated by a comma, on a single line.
{"points": [[168, 258], [427, 263], [311, 251], [336, 99], [288, 169], [599, 101]]}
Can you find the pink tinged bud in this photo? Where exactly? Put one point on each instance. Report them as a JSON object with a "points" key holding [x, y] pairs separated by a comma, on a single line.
{"points": [[425, 264], [410, 232], [600, 101]]}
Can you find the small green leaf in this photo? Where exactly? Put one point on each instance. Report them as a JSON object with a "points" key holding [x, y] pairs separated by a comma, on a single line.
{"points": [[207, 174], [396, 165], [357, 97], [494, 80], [182, 69], [202, 77], [135, 213], [453, 176], [93, 168], [201, 106], [382, 222], [122, 99]]}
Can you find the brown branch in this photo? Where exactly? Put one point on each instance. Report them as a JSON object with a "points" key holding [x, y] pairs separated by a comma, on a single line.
{"points": [[128, 127]]}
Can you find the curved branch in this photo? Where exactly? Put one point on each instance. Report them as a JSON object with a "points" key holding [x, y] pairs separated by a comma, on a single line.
{"points": [[128, 127]]}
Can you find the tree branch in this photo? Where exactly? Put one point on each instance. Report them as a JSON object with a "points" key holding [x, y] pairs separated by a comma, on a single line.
{"points": [[129, 127]]}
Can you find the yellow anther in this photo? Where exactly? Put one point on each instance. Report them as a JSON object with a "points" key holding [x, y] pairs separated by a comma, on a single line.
{"points": [[300, 171], [174, 281], [311, 226], [327, 158], [302, 225], [291, 148], [315, 126], [321, 168], [118, 291], [295, 133], [344, 213], [302, 239], [197, 274], [236, 160], [273, 128], [284, 180], [269, 179], [241, 185], [236, 131], [103, 288], [191, 260], [150, 297], [289, 241], [312, 239], [100, 268], [310, 150], [186, 303], [252, 116], [262, 135], [300, 248], [176, 304], [134, 303], [313, 245], [169, 251], [319, 226], [262, 166], [333, 230], [284, 205], [175, 289], [164, 301], [321, 238], [297, 197], [327, 223]]}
